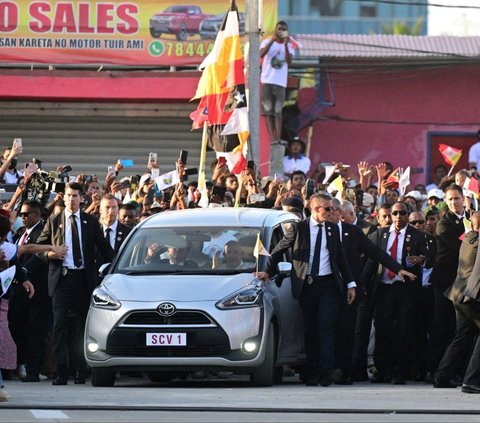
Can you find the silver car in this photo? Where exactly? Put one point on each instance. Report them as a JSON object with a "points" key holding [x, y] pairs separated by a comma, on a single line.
{"points": [[181, 296]]}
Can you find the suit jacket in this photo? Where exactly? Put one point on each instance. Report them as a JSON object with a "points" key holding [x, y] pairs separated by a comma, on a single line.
{"points": [[120, 235], [36, 267], [467, 284], [92, 238], [298, 237], [357, 247], [367, 228], [447, 236], [414, 244]]}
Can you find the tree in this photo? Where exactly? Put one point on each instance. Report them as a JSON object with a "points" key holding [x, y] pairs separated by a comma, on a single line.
{"points": [[403, 28]]}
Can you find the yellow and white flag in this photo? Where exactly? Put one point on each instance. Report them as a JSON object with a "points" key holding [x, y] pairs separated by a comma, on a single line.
{"points": [[259, 249]]}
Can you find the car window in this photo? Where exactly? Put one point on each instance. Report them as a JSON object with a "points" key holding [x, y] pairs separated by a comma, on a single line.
{"points": [[189, 249]]}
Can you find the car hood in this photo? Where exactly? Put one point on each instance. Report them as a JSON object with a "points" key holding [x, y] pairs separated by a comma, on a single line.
{"points": [[175, 287]]}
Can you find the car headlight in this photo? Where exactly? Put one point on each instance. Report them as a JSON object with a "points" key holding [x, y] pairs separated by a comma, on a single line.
{"points": [[249, 296], [101, 298]]}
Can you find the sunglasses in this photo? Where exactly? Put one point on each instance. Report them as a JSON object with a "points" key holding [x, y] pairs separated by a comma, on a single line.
{"points": [[24, 214], [399, 212], [327, 209], [417, 222]]}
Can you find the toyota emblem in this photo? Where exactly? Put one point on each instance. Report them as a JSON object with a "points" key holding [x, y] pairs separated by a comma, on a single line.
{"points": [[166, 309]]}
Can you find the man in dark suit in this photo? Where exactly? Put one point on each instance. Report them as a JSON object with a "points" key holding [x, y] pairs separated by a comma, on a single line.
{"points": [[394, 299], [447, 236], [357, 248], [321, 281], [467, 310], [348, 215], [114, 231], [72, 277]]}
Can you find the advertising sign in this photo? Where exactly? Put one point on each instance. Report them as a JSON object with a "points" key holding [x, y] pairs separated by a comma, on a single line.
{"points": [[132, 33]]}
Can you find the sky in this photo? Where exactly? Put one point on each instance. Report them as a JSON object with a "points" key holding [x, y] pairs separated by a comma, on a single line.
{"points": [[453, 21]]}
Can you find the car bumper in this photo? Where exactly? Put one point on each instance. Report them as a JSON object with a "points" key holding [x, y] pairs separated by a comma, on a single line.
{"points": [[216, 343]]}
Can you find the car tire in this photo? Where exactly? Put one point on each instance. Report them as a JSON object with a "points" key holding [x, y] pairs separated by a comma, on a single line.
{"points": [[183, 34], [160, 376], [264, 374], [103, 377], [155, 34]]}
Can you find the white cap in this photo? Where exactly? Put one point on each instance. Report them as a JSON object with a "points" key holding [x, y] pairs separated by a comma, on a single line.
{"points": [[435, 192], [145, 177], [417, 195]]}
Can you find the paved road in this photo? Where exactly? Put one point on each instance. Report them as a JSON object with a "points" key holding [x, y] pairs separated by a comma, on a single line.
{"points": [[234, 400]]}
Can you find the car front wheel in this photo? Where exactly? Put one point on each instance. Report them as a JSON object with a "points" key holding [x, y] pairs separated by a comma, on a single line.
{"points": [[264, 374], [155, 34], [183, 34], [103, 377]]}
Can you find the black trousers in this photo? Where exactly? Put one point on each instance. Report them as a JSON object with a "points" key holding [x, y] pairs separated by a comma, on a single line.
{"points": [[37, 334], [443, 327], [468, 325], [363, 325], [320, 303], [394, 309], [345, 329], [70, 303]]}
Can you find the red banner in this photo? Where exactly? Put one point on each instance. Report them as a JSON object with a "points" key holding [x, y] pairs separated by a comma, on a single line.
{"points": [[96, 32]]}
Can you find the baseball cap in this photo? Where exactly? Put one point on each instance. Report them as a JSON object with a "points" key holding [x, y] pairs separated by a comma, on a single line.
{"points": [[435, 192], [442, 206], [417, 195], [145, 177], [430, 211]]}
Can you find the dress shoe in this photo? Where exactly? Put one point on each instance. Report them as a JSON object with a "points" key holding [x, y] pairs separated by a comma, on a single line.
{"points": [[442, 382], [311, 381], [345, 381], [471, 389], [60, 380], [398, 380], [360, 377], [380, 379], [31, 378], [429, 378], [79, 379], [332, 376]]}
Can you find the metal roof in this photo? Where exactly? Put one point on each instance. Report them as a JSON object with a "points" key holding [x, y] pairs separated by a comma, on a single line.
{"points": [[387, 46]]}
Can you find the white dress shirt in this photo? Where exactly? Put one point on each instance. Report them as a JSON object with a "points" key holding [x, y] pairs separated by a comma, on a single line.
{"points": [[26, 234], [398, 259], [68, 260], [112, 234], [324, 266]]}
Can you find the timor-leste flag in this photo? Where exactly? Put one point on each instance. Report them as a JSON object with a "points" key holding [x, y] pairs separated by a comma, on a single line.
{"points": [[222, 70], [451, 155]]}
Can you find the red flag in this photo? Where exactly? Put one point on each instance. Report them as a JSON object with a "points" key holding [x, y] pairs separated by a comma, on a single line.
{"points": [[394, 178], [451, 155], [473, 186]]}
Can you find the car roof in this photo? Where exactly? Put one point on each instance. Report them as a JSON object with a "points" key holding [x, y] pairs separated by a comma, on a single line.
{"points": [[219, 216]]}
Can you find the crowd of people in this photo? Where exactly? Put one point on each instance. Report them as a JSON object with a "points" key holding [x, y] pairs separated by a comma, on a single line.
{"points": [[388, 283]]}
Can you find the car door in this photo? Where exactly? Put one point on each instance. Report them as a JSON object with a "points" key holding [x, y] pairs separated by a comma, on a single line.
{"points": [[287, 309]]}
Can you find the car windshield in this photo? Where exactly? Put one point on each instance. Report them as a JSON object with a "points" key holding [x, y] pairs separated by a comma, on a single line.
{"points": [[189, 250], [176, 9]]}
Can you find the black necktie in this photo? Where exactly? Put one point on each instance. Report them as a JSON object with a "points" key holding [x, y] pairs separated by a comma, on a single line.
{"points": [[77, 253], [108, 231], [316, 252]]}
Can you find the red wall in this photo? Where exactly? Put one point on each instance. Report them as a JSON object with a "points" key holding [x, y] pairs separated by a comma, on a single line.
{"points": [[437, 96]]}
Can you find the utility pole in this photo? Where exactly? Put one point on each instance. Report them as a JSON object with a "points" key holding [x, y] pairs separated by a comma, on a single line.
{"points": [[252, 29]]}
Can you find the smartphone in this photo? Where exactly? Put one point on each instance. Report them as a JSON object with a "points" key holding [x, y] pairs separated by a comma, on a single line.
{"points": [[152, 158], [127, 163], [191, 171], [222, 161], [219, 191], [109, 170], [256, 198], [155, 173], [183, 156], [134, 182], [126, 184], [310, 188], [17, 142], [251, 165]]}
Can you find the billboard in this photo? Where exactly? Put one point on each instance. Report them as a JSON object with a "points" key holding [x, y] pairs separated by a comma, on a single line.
{"points": [[131, 33]]}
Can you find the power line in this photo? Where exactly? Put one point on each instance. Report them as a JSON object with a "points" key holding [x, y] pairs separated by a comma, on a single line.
{"points": [[416, 3], [339, 118]]}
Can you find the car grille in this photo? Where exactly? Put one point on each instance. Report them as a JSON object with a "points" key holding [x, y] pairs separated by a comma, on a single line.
{"points": [[130, 341], [155, 318], [196, 351]]}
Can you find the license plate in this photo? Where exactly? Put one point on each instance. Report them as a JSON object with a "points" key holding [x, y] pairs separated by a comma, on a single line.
{"points": [[166, 339]]}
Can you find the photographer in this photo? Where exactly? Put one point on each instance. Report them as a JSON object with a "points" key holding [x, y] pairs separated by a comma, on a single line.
{"points": [[276, 53]]}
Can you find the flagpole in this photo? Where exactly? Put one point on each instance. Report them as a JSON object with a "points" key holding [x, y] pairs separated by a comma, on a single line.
{"points": [[450, 171], [203, 151], [253, 74]]}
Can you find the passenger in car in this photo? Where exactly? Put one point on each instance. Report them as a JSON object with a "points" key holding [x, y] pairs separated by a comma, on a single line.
{"points": [[174, 256], [233, 257]]}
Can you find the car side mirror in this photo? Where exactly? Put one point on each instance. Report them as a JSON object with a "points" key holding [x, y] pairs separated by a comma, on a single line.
{"points": [[102, 272], [284, 270]]}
